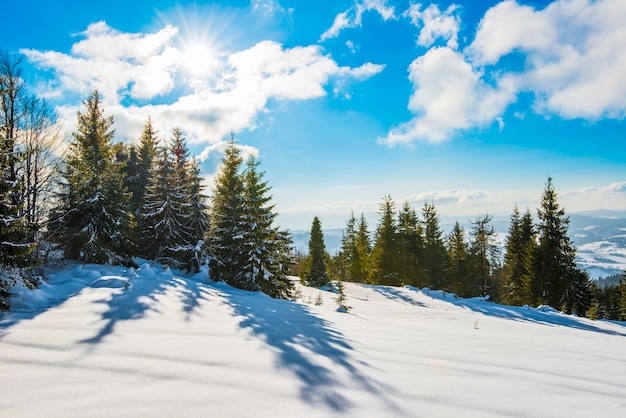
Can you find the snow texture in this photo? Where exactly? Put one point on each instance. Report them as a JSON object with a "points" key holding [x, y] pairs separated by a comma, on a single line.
{"points": [[109, 341]]}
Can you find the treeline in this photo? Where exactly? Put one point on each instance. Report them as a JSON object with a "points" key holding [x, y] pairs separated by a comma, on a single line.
{"points": [[107, 202], [409, 248]]}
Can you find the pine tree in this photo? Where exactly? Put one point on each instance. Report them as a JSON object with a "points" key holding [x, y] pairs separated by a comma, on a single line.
{"points": [[556, 280], [198, 219], [91, 222], [518, 252], [316, 275], [364, 250], [168, 218], [227, 216], [141, 166], [266, 248], [384, 260], [459, 268], [341, 298], [435, 256], [410, 245], [484, 257]]}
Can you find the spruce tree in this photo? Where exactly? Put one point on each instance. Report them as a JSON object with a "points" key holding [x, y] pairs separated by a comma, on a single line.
{"points": [[349, 253], [266, 247], [484, 257], [316, 275], [91, 222], [198, 219], [459, 267], [384, 260], [142, 163], [435, 256], [410, 245], [360, 266], [556, 280], [227, 217], [171, 226], [518, 252]]}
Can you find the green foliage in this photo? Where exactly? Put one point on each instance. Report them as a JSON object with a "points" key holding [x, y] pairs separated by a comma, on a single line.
{"points": [[435, 258], [484, 257], [459, 266], [248, 252], [410, 246], [556, 280], [226, 238], [316, 275], [91, 222], [384, 265], [341, 298], [353, 259]]}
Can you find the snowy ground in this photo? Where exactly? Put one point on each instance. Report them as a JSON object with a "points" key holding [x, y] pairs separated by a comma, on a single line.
{"points": [[84, 345]]}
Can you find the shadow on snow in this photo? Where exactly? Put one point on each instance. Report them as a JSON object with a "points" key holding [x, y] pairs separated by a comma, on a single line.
{"points": [[132, 303], [61, 286], [542, 315], [301, 339]]}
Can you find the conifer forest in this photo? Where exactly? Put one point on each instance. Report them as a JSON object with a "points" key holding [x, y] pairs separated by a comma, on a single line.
{"points": [[93, 199]]}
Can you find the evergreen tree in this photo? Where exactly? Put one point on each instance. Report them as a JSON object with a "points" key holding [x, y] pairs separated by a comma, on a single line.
{"points": [[349, 257], [266, 247], [341, 298], [227, 217], [140, 166], [360, 265], [91, 222], [484, 257], [435, 256], [459, 268], [172, 219], [198, 219], [410, 245], [316, 275], [517, 260], [384, 261], [556, 280]]}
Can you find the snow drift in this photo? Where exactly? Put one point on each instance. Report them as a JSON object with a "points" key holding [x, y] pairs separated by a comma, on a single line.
{"points": [[110, 341]]}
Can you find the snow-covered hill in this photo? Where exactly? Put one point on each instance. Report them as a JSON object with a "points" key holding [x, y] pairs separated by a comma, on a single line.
{"points": [[99, 341]]}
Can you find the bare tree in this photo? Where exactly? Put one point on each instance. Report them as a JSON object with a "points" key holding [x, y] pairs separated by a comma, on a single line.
{"points": [[40, 143]]}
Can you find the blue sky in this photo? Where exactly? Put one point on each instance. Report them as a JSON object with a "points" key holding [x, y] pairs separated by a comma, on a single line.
{"points": [[469, 105]]}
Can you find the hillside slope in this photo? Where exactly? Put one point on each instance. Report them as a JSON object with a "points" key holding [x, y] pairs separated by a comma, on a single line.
{"points": [[99, 341]]}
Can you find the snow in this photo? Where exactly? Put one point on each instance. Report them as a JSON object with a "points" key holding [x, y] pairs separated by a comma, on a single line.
{"points": [[111, 341]]}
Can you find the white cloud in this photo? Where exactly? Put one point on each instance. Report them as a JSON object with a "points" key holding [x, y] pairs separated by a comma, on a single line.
{"points": [[228, 97], [267, 7], [435, 24], [111, 61], [352, 17], [448, 96], [574, 52]]}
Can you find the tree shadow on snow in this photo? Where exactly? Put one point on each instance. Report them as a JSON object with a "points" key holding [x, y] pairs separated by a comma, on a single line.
{"points": [[301, 339], [394, 293], [542, 315], [133, 302], [59, 287]]}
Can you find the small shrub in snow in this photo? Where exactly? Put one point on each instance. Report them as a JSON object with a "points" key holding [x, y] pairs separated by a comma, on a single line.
{"points": [[341, 299], [318, 300]]}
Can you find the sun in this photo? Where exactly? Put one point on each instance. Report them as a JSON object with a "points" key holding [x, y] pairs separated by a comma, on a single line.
{"points": [[198, 58]]}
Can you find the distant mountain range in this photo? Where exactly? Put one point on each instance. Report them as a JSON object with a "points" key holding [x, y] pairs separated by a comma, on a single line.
{"points": [[599, 236]]}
